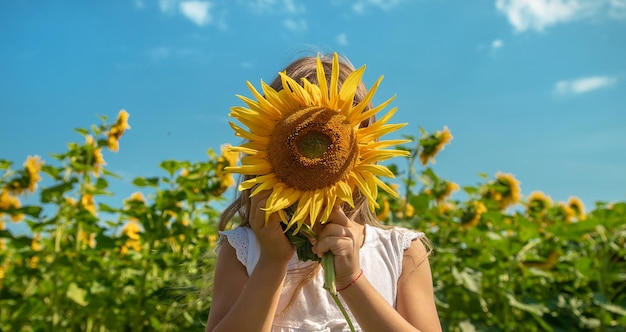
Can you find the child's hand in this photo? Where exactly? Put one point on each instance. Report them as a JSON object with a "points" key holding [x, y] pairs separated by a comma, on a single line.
{"points": [[343, 237], [274, 244]]}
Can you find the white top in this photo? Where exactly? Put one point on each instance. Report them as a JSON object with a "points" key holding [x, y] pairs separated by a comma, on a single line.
{"points": [[312, 308]]}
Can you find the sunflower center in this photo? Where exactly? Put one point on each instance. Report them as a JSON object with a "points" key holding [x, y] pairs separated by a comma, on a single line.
{"points": [[312, 148], [313, 144]]}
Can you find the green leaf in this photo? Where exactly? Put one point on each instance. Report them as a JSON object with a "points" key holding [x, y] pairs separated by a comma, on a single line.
{"points": [[49, 194], [533, 308], [470, 190], [77, 294], [54, 172], [101, 183], [170, 166], [5, 164], [468, 278], [146, 182], [30, 210], [82, 131]]}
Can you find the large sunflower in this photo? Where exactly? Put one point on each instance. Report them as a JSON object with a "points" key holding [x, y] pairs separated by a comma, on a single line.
{"points": [[304, 143]]}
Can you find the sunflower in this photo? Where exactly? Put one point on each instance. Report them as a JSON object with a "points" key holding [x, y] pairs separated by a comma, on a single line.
{"points": [[224, 179], [432, 144], [33, 167], [96, 160], [117, 130], [505, 190], [7, 202], [88, 203], [472, 213], [304, 143], [578, 207], [538, 202], [442, 190], [131, 231]]}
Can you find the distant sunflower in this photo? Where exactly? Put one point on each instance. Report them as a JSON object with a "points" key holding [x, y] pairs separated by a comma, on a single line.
{"points": [[472, 213], [7, 202], [304, 143], [96, 160], [538, 202], [33, 167], [578, 207], [433, 143], [117, 130], [505, 190]]}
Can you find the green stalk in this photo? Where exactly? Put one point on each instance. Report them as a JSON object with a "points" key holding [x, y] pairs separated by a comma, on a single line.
{"points": [[305, 253], [328, 264]]}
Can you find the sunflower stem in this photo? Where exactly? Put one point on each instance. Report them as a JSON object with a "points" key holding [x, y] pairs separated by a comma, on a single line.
{"points": [[328, 264]]}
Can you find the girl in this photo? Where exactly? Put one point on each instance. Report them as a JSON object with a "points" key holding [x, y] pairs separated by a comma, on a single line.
{"points": [[382, 274]]}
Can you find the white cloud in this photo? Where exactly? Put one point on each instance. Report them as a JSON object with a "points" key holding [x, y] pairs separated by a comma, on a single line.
{"points": [[361, 5], [275, 6], [618, 9], [537, 15], [168, 6], [295, 25], [496, 44], [342, 39], [583, 85], [197, 11]]}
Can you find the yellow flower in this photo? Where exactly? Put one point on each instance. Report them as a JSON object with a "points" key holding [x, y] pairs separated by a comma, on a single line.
{"points": [[432, 144], [228, 158], [578, 207], [88, 239], [3, 242], [383, 214], [35, 243], [442, 190], [566, 212], [131, 230], [33, 167], [32, 262], [538, 202], [97, 160], [88, 203], [117, 130], [505, 190], [445, 208], [70, 200], [8, 201], [137, 197], [472, 213], [305, 144], [409, 210], [133, 242]]}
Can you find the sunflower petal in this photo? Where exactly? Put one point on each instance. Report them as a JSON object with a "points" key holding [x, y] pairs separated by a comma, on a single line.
{"points": [[321, 82]]}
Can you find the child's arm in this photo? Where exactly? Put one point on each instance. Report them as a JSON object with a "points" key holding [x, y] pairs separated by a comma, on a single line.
{"points": [[241, 303], [416, 309], [249, 304], [415, 301]]}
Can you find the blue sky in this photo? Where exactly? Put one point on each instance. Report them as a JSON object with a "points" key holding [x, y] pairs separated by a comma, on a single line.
{"points": [[536, 88]]}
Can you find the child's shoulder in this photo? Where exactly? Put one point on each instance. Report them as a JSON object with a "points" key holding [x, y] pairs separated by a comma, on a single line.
{"points": [[395, 236]]}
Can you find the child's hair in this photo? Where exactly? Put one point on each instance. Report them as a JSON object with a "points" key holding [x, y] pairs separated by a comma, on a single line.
{"points": [[238, 211]]}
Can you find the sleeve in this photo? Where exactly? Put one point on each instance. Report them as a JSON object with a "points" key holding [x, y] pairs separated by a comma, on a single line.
{"points": [[406, 236], [238, 239], [244, 242]]}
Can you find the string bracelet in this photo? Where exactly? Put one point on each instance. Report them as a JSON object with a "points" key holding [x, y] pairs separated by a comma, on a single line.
{"points": [[352, 283]]}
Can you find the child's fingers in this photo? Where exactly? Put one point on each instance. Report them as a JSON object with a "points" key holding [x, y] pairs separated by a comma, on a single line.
{"points": [[338, 217]]}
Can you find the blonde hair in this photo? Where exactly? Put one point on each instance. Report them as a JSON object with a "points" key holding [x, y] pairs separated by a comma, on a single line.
{"points": [[238, 211]]}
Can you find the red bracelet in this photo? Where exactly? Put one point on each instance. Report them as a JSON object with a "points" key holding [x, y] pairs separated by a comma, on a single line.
{"points": [[352, 283]]}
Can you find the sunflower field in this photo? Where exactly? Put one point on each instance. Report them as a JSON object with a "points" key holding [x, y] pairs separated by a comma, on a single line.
{"points": [[503, 260]]}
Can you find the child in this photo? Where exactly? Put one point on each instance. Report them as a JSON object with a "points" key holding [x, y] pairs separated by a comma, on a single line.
{"points": [[382, 274]]}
